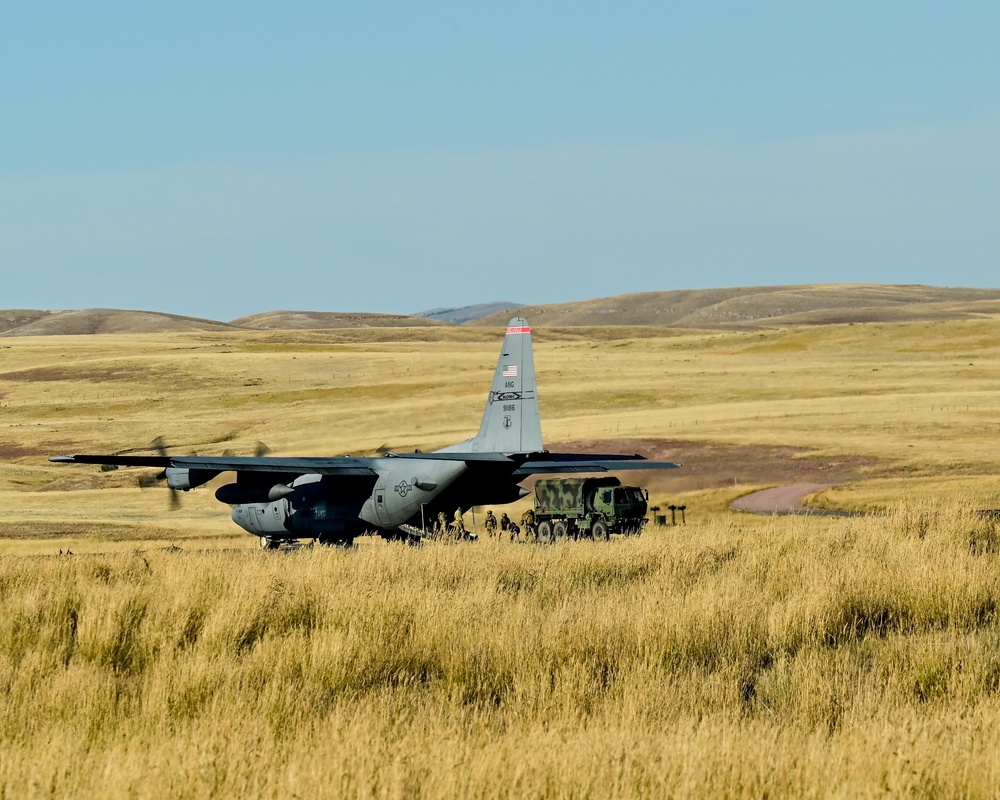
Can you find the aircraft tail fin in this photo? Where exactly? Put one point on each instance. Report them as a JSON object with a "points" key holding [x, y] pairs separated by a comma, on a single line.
{"points": [[511, 422]]}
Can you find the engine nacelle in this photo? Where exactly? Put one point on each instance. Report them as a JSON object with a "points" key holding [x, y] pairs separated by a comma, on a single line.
{"points": [[184, 479], [404, 486]]}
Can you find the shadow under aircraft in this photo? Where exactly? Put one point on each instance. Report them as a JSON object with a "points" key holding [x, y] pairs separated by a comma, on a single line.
{"points": [[332, 500]]}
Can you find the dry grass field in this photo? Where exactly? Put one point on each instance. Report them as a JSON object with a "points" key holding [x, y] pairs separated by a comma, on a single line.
{"points": [[743, 658], [737, 656]]}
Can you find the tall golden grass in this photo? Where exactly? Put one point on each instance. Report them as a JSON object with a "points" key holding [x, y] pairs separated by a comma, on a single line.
{"points": [[737, 657]]}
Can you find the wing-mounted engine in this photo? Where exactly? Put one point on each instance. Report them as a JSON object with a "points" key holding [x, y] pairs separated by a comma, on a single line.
{"points": [[404, 485], [185, 479]]}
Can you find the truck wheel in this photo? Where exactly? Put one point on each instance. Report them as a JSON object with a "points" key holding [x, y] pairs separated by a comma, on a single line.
{"points": [[599, 530], [559, 530], [543, 534]]}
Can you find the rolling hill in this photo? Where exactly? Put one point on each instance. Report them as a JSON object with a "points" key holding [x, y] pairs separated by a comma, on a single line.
{"points": [[28, 322], [469, 313], [310, 320], [98, 320], [740, 308], [767, 307]]}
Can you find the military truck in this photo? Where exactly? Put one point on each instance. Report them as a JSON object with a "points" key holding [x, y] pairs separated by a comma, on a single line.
{"points": [[587, 507]]}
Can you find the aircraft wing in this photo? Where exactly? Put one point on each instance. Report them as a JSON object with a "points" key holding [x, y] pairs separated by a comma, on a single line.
{"points": [[362, 466], [567, 463], [347, 466]]}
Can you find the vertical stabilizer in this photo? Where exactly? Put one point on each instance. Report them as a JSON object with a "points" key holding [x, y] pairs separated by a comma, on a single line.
{"points": [[511, 423]]}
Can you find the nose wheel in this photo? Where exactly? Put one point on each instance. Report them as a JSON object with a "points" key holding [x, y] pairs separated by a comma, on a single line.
{"points": [[267, 543]]}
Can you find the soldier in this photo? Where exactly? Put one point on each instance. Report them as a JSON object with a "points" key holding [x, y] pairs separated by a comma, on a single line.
{"points": [[459, 525], [441, 526], [490, 523], [528, 524], [504, 522], [514, 530]]}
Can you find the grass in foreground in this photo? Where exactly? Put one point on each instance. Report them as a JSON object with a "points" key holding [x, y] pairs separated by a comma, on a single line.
{"points": [[738, 657]]}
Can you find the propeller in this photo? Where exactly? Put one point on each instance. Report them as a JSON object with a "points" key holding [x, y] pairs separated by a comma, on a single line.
{"points": [[159, 445], [146, 481]]}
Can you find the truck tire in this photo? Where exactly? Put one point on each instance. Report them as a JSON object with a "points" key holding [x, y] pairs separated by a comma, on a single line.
{"points": [[559, 530], [599, 530], [543, 533]]}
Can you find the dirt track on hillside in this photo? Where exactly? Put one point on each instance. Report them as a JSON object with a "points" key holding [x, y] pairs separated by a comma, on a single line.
{"points": [[779, 500]]}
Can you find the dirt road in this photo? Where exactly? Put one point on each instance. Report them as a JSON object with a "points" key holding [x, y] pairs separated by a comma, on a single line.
{"points": [[780, 500]]}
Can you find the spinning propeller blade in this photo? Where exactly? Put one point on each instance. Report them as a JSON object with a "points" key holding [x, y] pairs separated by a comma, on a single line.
{"points": [[145, 481]]}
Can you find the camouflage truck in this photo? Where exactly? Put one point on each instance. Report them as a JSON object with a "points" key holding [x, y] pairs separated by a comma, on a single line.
{"points": [[587, 507]]}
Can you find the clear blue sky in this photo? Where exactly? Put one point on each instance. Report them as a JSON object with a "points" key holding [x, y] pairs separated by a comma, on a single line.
{"points": [[224, 158]]}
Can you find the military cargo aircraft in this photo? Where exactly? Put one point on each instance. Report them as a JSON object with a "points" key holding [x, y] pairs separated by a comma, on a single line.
{"points": [[332, 500]]}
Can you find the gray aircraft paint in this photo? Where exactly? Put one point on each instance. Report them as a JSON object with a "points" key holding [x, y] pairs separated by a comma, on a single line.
{"points": [[511, 422]]}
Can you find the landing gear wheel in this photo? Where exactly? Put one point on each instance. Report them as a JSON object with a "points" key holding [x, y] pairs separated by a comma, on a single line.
{"points": [[267, 543], [599, 531], [559, 530], [543, 533]]}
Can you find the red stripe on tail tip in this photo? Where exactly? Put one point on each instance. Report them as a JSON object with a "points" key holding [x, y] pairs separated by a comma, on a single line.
{"points": [[524, 329]]}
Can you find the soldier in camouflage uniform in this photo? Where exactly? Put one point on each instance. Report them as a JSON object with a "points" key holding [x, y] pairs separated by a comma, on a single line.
{"points": [[459, 525], [441, 526], [528, 524], [490, 523], [504, 523]]}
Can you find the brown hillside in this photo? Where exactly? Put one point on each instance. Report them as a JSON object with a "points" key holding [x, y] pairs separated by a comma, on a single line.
{"points": [[104, 320], [16, 317], [308, 320], [766, 306], [741, 308]]}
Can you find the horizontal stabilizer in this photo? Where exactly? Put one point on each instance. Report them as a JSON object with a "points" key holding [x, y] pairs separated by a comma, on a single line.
{"points": [[569, 463]]}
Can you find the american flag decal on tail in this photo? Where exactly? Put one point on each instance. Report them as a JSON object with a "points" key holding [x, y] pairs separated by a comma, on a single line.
{"points": [[510, 371]]}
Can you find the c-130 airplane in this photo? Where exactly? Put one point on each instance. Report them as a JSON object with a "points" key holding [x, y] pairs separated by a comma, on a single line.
{"points": [[332, 500]]}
